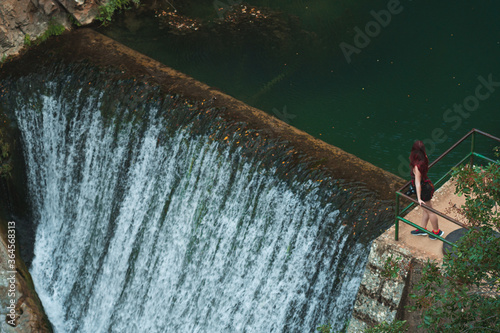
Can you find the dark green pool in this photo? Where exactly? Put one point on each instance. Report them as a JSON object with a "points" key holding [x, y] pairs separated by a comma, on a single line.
{"points": [[400, 85]]}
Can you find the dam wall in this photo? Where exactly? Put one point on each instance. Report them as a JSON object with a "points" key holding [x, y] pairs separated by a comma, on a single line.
{"points": [[22, 21], [321, 160]]}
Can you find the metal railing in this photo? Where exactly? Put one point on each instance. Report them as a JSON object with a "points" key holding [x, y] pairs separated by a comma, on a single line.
{"points": [[400, 193]]}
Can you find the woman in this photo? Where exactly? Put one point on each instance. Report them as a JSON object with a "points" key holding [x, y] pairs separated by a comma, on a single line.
{"points": [[419, 165]]}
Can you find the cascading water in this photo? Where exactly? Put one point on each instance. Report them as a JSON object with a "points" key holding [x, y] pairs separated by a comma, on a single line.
{"points": [[155, 215]]}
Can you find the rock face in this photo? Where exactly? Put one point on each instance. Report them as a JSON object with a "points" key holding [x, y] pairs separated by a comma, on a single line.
{"points": [[21, 20], [20, 307]]}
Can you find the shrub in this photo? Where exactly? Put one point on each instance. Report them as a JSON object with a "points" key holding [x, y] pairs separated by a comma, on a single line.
{"points": [[27, 40], [107, 10], [54, 29]]}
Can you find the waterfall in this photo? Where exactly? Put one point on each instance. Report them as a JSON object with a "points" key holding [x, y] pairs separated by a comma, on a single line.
{"points": [[154, 214]]}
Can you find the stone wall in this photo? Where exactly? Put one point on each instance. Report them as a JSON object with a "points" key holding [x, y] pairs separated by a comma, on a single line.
{"points": [[28, 19], [381, 298]]}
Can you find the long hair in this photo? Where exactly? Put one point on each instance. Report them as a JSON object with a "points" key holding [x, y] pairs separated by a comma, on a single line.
{"points": [[418, 158]]}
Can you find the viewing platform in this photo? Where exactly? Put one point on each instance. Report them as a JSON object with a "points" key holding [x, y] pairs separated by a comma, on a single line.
{"points": [[445, 203], [382, 297], [422, 247]]}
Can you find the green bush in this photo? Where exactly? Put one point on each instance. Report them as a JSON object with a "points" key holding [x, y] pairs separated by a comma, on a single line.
{"points": [[107, 10], [27, 40], [392, 267], [54, 29]]}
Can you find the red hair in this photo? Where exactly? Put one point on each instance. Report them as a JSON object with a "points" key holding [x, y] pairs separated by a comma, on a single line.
{"points": [[418, 158]]}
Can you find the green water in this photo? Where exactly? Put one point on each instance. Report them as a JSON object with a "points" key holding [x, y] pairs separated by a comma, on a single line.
{"points": [[396, 90]]}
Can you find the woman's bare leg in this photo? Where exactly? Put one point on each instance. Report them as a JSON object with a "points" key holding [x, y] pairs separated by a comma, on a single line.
{"points": [[425, 218], [432, 217]]}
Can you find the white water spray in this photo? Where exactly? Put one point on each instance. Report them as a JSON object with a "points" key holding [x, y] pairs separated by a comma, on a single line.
{"points": [[138, 234]]}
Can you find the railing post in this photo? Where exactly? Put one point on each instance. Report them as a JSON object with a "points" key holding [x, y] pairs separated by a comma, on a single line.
{"points": [[472, 147], [396, 223]]}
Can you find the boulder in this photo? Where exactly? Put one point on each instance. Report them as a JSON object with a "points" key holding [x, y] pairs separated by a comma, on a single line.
{"points": [[24, 20]]}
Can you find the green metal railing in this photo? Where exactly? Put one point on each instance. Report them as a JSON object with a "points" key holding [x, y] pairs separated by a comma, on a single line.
{"points": [[400, 193]]}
